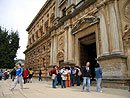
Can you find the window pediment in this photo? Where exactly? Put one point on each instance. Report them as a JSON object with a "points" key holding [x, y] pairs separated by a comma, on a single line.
{"points": [[81, 22]]}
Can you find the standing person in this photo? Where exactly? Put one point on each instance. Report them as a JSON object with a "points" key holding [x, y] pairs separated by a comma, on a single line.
{"points": [[68, 77], [98, 72], [1, 74], [25, 72], [54, 72], [58, 78], [63, 77], [72, 75], [40, 75], [13, 74], [5, 74], [77, 75], [86, 77], [30, 75], [19, 72]]}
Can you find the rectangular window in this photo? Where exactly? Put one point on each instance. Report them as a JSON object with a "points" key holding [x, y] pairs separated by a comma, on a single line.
{"points": [[37, 35], [33, 38], [46, 26], [64, 12]]}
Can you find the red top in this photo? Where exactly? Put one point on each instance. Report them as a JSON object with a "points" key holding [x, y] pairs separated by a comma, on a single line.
{"points": [[25, 73], [54, 71]]}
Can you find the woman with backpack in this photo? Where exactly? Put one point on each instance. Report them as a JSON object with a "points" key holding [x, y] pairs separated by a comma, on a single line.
{"points": [[30, 75], [54, 73]]}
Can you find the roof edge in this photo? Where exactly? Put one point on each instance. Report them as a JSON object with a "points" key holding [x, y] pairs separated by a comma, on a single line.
{"points": [[35, 18]]}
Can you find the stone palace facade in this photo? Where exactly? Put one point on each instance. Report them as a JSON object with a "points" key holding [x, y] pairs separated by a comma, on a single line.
{"points": [[72, 32]]}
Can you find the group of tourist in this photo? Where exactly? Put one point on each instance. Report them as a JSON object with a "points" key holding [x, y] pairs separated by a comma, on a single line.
{"points": [[17, 74], [66, 76], [4, 74], [27, 75], [24, 74]]}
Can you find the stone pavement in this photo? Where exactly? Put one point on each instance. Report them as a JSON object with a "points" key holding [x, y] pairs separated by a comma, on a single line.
{"points": [[43, 90]]}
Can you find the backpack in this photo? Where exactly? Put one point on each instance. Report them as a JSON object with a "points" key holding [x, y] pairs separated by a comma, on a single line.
{"points": [[50, 72], [5, 73], [30, 72]]}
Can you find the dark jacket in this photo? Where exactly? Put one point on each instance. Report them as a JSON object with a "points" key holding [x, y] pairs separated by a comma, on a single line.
{"points": [[77, 71], [86, 73], [40, 73]]}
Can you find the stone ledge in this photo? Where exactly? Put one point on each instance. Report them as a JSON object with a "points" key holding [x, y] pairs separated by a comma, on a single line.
{"points": [[111, 56], [67, 64], [51, 65]]}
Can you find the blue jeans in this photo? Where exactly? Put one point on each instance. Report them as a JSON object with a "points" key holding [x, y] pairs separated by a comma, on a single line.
{"points": [[54, 82], [5, 77], [72, 80], [40, 78], [86, 79], [63, 83], [99, 84], [78, 80]]}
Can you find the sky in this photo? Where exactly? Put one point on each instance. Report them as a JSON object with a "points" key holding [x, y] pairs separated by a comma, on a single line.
{"points": [[16, 15]]}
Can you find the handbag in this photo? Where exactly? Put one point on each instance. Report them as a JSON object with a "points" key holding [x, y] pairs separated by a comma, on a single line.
{"points": [[53, 76], [79, 73]]}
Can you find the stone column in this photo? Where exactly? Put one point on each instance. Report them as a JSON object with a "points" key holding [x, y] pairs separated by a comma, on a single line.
{"points": [[97, 40], [77, 52], [51, 52], [70, 45], [68, 3], [119, 25], [66, 45], [55, 50], [104, 36], [114, 30], [128, 61], [57, 13]]}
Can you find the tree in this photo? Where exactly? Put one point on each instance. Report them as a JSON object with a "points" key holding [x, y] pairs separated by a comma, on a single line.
{"points": [[9, 44]]}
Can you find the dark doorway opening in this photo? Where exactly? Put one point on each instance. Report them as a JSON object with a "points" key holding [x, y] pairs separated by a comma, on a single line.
{"points": [[88, 53]]}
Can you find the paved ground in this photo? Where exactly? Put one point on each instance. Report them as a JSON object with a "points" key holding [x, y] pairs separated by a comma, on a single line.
{"points": [[43, 90]]}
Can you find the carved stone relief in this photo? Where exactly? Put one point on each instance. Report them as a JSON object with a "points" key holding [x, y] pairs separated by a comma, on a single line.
{"points": [[60, 56], [61, 43], [126, 11]]}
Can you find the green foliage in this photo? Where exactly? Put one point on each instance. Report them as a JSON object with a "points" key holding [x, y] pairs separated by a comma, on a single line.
{"points": [[9, 44]]}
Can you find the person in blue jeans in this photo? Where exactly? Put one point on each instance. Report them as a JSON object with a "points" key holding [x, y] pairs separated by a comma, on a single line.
{"points": [[77, 76], [86, 77], [1, 74], [54, 72], [63, 77], [98, 72], [72, 76]]}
